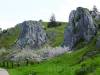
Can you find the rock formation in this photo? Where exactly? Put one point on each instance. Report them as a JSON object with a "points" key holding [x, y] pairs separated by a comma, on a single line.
{"points": [[32, 35], [81, 27], [98, 43]]}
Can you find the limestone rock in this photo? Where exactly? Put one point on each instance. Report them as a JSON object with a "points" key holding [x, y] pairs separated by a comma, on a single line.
{"points": [[98, 42], [80, 26], [32, 35]]}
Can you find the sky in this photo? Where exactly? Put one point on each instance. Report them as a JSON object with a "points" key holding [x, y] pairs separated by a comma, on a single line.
{"points": [[13, 12]]}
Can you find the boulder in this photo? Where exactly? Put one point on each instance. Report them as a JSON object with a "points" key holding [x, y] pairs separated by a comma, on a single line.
{"points": [[32, 35], [80, 27]]}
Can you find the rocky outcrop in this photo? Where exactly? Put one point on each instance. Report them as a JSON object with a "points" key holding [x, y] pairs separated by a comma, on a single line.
{"points": [[98, 42], [81, 27], [32, 35]]}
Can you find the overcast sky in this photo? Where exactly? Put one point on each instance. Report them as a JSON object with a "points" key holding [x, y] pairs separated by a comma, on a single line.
{"points": [[16, 11]]}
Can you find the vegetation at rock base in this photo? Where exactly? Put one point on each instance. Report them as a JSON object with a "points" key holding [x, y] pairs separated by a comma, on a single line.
{"points": [[75, 63], [68, 63]]}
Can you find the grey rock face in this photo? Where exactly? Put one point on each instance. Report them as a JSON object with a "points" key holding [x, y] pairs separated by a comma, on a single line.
{"points": [[98, 42], [81, 26], [32, 35]]}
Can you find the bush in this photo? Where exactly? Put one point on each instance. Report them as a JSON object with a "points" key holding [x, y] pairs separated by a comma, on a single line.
{"points": [[52, 24], [85, 69]]}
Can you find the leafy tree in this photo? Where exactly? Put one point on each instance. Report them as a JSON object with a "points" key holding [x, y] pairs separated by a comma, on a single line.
{"points": [[53, 19], [95, 8], [0, 31], [40, 20], [52, 22]]}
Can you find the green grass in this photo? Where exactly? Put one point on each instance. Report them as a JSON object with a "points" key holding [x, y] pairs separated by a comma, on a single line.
{"points": [[66, 64], [58, 37], [9, 37]]}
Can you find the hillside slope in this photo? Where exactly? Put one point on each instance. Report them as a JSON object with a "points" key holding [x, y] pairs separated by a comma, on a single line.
{"points": [[9, 37], [80, 62], [84, 61]]}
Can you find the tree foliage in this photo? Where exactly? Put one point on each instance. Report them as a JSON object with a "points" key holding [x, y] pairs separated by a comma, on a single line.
{"points": [[52, 22]]}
